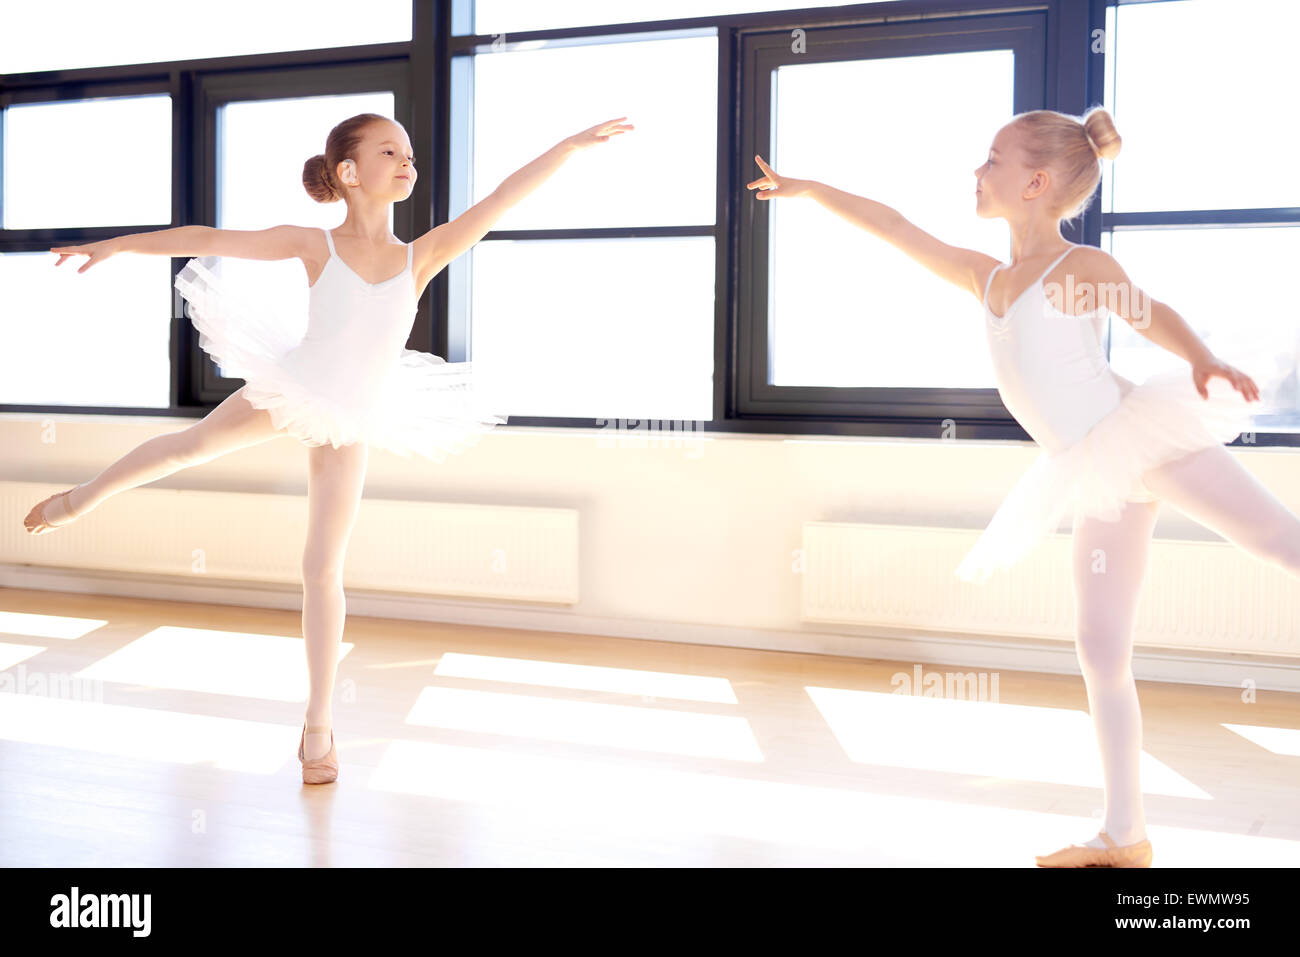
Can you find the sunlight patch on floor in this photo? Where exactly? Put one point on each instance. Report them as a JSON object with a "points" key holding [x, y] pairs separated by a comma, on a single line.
{"points": [[988, 739], [626, 727], [1285, 741], [543, 797], [559, 674], [23, 625], [148, 734], [246, 664]]}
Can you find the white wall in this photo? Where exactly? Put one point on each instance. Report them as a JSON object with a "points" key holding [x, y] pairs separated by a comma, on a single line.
{"points": [[704, 533]]}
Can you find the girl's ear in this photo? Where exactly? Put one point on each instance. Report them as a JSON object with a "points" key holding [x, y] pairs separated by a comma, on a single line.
{"points": [[349, 173]]}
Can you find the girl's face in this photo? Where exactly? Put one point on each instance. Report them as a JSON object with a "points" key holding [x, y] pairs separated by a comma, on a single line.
{"points": [[1000, 182], [385, 163]]}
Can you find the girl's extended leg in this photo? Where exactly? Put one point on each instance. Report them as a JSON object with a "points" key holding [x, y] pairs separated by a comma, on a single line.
{"points": [[334, 483], [234, 424], [1217, 491], [1110, 560]]}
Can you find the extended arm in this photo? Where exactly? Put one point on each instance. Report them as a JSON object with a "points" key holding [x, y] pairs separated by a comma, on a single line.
{"points": [[444, 243], [277, 242], [960, 266], [1159, 322]]}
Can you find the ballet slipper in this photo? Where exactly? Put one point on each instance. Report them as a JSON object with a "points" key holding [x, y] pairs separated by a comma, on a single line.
{"points": [[322, 770], [1112, 855], [51, 513]]}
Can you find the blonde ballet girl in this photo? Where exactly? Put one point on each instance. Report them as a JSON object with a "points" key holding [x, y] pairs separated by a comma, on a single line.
{"points": [[346, 384], [1112, 450]]}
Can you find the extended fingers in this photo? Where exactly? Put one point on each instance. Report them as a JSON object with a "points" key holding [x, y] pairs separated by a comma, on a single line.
{"points": [[1241, 382], [1248, 387]]}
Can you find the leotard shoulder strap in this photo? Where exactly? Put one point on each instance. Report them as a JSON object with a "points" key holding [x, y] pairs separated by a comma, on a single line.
{"points": [[1057, 261], [988, 283]]}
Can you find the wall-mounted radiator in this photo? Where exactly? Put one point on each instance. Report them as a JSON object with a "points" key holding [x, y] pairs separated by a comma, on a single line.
{"points": [[432, 548], [1206, 595]]}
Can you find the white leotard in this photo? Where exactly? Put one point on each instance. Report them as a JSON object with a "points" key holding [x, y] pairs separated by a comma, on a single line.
{"points": [[356, 330], [348, 378], [1099, 432], [1050, 367]]}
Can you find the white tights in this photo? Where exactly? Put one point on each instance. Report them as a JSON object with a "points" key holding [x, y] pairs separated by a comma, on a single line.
{"points": [[335, 480], [334, 485], [1110, 558]]}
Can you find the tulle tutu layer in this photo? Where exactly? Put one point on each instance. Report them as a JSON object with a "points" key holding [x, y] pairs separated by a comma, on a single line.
{"points": [[418, 403], [1157, 421]]}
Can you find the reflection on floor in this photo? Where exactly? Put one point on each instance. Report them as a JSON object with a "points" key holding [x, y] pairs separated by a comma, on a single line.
{"points": [[140, 733]]}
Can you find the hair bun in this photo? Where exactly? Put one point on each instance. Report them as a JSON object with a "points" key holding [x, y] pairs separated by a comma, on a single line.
{"points": [[1099, 129], [316, 180]]}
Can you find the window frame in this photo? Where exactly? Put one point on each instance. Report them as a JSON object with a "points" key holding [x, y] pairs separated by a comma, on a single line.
{"points": [[458, 165], [1073, 79], [94, 84], [909, 410], [1067, 75], [1110, 223], [194, 389]]}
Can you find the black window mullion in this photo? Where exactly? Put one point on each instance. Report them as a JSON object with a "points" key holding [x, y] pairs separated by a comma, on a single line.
{"points": [[182, 345], [426, 120]]}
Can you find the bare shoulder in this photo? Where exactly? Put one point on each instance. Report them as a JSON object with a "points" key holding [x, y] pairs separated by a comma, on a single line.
{"points": [[1090, 263], [307, 242], [294, 242], [275, 242], [1099, 275]]}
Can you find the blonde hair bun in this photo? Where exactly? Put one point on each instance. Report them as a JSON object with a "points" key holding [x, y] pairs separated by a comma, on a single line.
{"points": [[1099, 128]]}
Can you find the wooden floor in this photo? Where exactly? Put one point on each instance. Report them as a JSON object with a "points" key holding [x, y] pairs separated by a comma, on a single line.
{"points": [[464, 746]]}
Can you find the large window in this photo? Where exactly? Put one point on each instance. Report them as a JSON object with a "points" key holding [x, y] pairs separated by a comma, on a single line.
{"points": [[100, 337], [96, 151], [96, 162], [1202, 206], [846, 308], [643, 282], [594, 297], [834, 323], [581, 328], [91, 339]]}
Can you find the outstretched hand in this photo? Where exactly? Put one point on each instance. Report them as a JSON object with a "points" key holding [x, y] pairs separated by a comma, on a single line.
{"points": [[97, 252], [770, 184], [600, 133], [1203, 372]]}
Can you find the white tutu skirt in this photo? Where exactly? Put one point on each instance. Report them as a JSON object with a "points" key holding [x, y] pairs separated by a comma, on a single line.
{"points": [[1157, 421], [415, 403]]}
